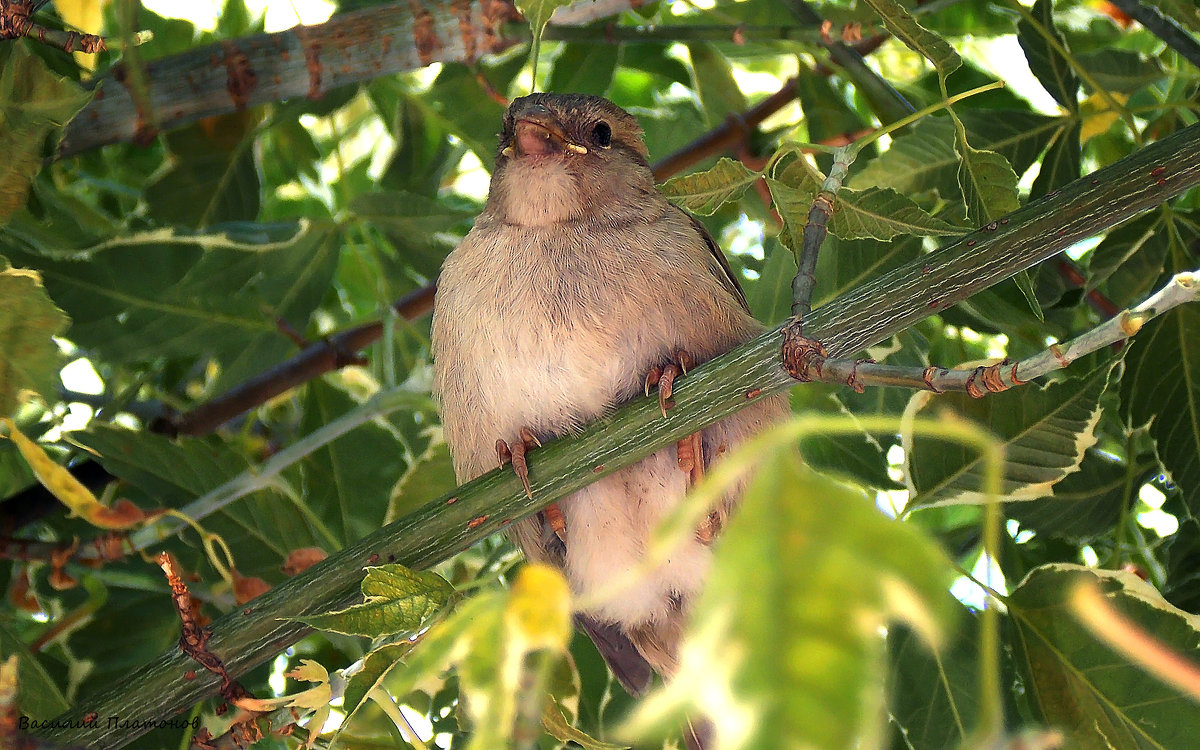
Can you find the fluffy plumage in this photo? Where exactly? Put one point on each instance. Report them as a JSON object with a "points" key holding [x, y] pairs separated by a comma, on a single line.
{"points": [[576, 280]]}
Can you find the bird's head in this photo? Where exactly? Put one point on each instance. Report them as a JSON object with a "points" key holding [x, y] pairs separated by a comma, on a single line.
{"points": [[565, 157]]}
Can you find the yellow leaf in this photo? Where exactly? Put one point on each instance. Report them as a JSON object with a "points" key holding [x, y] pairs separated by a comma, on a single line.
{"points": [[69, 491], [539, 608], [1098, 116], [82, 15]]}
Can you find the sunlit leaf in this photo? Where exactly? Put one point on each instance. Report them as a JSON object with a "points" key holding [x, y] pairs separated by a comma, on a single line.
{"points": [[38, 695], [397, 600], [917, 37], [705, 192], [29, 358], [538, 12], [34, 102]]}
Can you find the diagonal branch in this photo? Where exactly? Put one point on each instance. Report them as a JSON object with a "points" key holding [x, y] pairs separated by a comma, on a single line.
{"points": [[444, 527]]}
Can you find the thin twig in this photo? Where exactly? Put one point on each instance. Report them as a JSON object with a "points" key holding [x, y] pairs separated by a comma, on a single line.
{"points": [[1172, 34]]}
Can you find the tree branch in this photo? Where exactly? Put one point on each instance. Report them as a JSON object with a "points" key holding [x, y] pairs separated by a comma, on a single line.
{"points": [[883, 307]]}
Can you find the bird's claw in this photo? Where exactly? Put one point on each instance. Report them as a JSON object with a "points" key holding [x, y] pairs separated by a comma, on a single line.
{"points": [[664, 378], [515, 453]]}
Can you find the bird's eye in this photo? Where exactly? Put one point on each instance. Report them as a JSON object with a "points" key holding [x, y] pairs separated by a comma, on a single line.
{"points": [[602, 134]]}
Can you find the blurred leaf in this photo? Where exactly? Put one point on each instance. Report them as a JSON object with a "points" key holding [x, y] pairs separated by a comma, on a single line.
{"points": [[720, 95], [916, 37], [38, 696], [1122, 70], [847, 264], [826, 114], [397, 601], [556, 723], [423, 153], [407, 215], [213, 177], [1045, 432], [584, 69], [1182, 11], [1077, 683], [1182, 563], [801, 657], [1046, 61], [538, 12], [705, 192], [29, 358], [458, 102], [1162, 388], [34, 102]]}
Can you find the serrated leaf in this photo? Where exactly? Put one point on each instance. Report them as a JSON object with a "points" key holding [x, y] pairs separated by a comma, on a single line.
{"points": [[800, 654], [396, 600], [916, 37], [29, 358], [1129, 261], [33, 103], [1045, 432], [1162, 388], [705, 192], [882, 214], [988, 183], [1075, 682], [1047, 63]]}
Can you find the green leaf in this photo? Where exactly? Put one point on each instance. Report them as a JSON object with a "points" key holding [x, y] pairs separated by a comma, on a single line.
{"points": [[771, 296], [407, 215], [1162, 388], [29, 358], [1045, 432], [705, 192], [1122, 70], [212, 178], [1075, 682], [1047, 63], [38, 696], [555, 722], [826, 113], [375, 668], [1062, 163], [988, 183], [34, 102], [1085, 505], [430, 476], [720, 95], [916, 37], [584, 68], [934, 698], [397, 600], [338, 488], [882, 214], [538, 12], [801, 657], [214, 295]]}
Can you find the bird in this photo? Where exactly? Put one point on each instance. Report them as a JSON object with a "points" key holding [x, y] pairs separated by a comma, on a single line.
{"points": [[581, 287]]}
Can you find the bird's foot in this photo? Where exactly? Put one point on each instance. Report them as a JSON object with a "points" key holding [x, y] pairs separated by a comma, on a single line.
{"points": [[664, 378], [515, 453], [802, 356]]}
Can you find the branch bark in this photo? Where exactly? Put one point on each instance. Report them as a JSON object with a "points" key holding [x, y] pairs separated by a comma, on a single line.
{"points": [[883, 307]]}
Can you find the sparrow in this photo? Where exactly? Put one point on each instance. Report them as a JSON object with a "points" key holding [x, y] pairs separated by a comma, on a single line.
{"points": [[581, 287]]}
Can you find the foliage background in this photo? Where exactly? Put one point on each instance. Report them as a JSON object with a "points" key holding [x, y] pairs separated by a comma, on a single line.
{"points": [[184, 267]]}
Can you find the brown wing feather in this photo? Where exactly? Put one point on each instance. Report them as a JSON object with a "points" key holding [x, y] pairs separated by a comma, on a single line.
{"points": [[728, 280]]}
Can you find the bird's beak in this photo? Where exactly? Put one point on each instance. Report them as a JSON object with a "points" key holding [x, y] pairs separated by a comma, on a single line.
{"points": [[539, 132]]}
